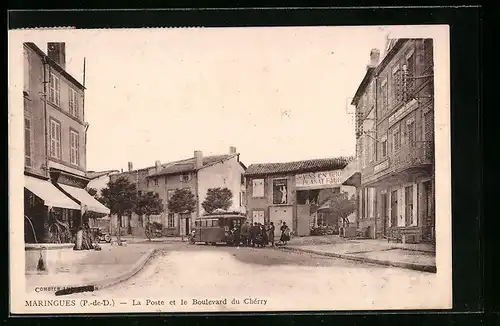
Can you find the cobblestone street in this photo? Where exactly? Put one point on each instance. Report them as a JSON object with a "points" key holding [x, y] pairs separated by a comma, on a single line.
{"points": [[286, 280]]}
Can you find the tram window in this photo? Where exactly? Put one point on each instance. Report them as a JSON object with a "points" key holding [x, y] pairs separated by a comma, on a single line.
{"points": [[196, 223], [204, 223], [215, 222]]}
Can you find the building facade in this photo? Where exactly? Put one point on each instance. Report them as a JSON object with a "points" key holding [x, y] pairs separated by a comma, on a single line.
{"points": [[55, 133], [198, 174], [395, 143], [293, 192]]}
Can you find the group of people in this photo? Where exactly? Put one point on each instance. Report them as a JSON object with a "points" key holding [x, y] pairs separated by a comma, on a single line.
{"points": [[259, 235]]}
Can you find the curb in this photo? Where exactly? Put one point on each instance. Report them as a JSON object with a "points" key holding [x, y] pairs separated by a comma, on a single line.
{"points": [[97, 285], [417, 267]]}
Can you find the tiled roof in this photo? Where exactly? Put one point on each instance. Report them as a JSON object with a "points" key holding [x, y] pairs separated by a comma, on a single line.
{"points": [[298, 166], [96, 174], [187, 165]]}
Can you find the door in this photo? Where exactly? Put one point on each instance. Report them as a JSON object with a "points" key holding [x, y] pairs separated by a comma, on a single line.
{"points": [[383, 209], [188, 222], [429, 221], [278, 215], [394, 208]]}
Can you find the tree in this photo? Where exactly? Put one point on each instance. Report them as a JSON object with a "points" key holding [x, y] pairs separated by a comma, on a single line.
{"points": [[217, 198], [342, 206], [182, 202], [120, 196], [148, 203]]}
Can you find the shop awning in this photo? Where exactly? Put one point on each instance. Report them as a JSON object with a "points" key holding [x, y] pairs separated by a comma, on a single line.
{"points": [[50, 195], [86, 199]]}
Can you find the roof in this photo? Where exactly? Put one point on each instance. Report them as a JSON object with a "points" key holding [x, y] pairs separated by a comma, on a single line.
{"points": [[314, 165], [188, 165], [96, 174], [54, 64]]}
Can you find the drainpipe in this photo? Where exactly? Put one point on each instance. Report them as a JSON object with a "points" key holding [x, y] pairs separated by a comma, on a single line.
{"points": [[45, 129], [376, 151]]}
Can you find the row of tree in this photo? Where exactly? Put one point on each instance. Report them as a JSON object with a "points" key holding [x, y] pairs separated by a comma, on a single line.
{"points": [[122, 198]]}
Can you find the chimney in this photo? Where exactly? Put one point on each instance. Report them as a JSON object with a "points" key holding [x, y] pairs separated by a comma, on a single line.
{"points": [[57, 52], [130, 166], [157, 166], [232, 150], [198, 159], [374, 58]]}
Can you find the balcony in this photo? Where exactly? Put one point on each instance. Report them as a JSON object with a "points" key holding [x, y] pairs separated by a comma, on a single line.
{"points": [[410, 158]]}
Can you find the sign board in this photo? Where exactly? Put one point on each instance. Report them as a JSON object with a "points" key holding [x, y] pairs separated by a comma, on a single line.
{"points": [[407, 108], [381, 166], [322, 179]]}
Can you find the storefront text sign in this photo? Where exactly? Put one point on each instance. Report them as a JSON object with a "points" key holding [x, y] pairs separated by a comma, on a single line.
{"points": [[319, 178], [402, 112], [381, 166]]}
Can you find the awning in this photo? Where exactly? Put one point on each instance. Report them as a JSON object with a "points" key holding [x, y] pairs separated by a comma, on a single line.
{"points": [[86, 199], [50, 195]]}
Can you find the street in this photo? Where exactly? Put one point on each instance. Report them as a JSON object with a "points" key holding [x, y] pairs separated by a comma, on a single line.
{"points": [[286, 280]]}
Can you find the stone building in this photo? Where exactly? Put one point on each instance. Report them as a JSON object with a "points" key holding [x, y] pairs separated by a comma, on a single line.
{"points": [[395, 143], [198, 174], [55, 135], [292, 192]]}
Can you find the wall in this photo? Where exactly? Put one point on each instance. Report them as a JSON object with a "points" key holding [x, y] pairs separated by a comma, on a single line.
{"points": [[99, 183], [34, 110], [226, 174]]}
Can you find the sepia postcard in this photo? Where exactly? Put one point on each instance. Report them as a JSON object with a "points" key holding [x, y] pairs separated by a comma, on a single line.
{"points": [[255, 169]]}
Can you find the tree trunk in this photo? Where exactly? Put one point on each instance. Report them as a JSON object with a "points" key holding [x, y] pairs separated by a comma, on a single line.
{"points": [[119, 235], [129, 226]]}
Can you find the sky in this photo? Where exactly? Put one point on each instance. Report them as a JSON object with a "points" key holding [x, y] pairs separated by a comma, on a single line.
{"points": [[276, 94]]}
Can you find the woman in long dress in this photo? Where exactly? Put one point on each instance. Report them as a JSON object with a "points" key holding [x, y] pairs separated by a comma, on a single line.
{"points": [[285, 233]]}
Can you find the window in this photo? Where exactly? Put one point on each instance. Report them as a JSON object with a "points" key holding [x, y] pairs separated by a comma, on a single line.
{"points": [[171, 220], [54, 89], [73, 103], [280, 192], [258, 217], [409, 71], [26, 71], [185, 178], [27, 142], [396, 139], [429, 126], [156, 181], [428, 54], [258, 188], [408, 205], [55, 139], [74, 155], [397, 85], [410, 132], [383, 145], [242, 179], [384, 95], [170, 193]]}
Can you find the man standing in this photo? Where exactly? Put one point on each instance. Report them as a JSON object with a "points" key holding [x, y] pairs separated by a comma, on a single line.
{"points": [[245, 234], [254, 233]]}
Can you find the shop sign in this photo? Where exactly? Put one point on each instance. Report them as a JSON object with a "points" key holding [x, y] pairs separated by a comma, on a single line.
{"points": [[325, 178], [407, 108], [381, 166]]}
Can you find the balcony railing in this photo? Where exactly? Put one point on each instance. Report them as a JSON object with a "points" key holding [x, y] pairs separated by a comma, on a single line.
{"points": [[414, 154]]}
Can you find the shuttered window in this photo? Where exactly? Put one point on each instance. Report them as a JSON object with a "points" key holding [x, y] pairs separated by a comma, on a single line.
{"points": [[55, 139], [74, 155], [397, 85], [429, 125], [27, 142], [410, 133], [408, 205], [428, 54], [73, 103], [54, 89]]}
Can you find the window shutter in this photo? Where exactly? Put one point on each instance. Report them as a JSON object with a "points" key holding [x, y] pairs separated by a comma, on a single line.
{"points": [[429, 126], [428, 54]]}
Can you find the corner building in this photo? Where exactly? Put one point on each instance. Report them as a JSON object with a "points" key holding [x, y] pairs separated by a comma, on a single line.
{"points": [[395, 143]]}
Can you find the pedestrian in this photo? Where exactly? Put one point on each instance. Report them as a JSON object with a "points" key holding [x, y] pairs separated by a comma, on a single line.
{"points": [[285, 233], [254, 233], [271, 234], [245, 234], [265, 235], [237, 235]]}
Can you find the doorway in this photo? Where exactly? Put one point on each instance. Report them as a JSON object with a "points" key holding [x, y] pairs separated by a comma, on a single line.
{"points": [[429, 222], [394, 208], [280, 214], [383, 208]]}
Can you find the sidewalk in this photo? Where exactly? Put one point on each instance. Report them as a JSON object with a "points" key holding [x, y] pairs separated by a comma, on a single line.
{"points": [[96, 269], [420, 257], [133, 240]]}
